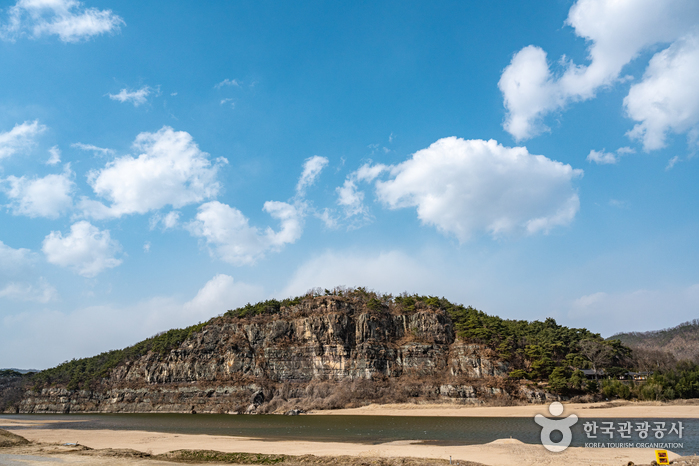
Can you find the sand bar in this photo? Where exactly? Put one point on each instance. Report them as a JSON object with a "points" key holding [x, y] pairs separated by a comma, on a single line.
{"points": [[506, 452], [688, 409]]}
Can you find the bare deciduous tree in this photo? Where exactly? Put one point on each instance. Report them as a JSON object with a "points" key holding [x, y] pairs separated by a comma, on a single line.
{"points": [[598, 353]]}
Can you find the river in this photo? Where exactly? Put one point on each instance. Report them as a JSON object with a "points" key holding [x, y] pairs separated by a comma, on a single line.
{"points": [[375, 429]]}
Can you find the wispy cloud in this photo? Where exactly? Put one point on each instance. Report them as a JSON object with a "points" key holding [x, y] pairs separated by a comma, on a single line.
{"points": [[20, 138], [137, 98], [42, 292], [311, 170], [55, 156], [227, 82], [608, 158], [90, 147], [67, 19], [671, 163]]}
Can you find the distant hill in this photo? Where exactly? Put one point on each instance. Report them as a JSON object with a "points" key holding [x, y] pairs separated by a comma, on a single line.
{"points": [[681, 341], [21, 371]]}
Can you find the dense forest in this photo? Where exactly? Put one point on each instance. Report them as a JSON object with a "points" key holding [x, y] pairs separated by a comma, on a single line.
{"points": [[544, 353]]}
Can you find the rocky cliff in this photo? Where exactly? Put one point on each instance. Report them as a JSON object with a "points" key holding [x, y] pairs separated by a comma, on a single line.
{"points": [[325, 352]]}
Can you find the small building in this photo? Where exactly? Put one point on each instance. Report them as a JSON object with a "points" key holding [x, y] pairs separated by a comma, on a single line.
{"points": [[592, 373]]}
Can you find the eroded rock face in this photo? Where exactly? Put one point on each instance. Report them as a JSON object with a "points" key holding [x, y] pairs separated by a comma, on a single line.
{"points": [[336, 345], [326, 338]]}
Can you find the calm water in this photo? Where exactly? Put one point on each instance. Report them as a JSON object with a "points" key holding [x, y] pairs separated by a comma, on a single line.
{"points": [[358, 429]]}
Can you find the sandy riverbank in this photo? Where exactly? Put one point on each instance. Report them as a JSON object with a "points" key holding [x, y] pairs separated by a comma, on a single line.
{"points": [[506, 452], [684, 409]]}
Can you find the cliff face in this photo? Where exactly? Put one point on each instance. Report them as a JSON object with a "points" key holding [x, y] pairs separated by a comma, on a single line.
{"points": [[308, 355]]}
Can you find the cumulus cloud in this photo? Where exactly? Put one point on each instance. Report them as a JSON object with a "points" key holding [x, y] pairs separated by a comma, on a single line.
{"points": [[311, 170], [137, 98], [20, 138], [86, 250], [67, 19], [616, 32], [231, 238], [171, 170], [42, 292], [667, 99], [48, 197], [465, 186], [90, 147]]}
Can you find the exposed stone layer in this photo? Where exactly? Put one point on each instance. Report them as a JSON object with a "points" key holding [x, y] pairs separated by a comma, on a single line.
{"points": [[255, 360]]}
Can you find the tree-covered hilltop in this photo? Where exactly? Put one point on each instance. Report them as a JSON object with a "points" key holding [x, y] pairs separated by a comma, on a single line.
{"points": [[544, 353]]}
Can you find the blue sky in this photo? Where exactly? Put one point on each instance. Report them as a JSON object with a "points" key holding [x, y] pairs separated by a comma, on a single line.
{"points": [[160, 164]]}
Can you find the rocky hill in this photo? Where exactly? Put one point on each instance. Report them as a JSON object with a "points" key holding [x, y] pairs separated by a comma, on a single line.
{"points": [[338, 350]]}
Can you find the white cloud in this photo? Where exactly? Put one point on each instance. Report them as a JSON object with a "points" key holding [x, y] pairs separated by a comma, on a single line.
{"points": [[171, 219], [95, 149], [618, 203], [464, 186], [227, 82], [606, 158], [146, 246], [171, 170], [20, 138], [386, 271], [168, 221], [671, 163], [220, 294], [231, 238], [49, 337], [225, 101], [602, 157], [350, 198], [667, 99], [636, 310], [67, 19], [328, 218], [86, 250], [13, 259], [55, 156], [311, 170], [48, 197], [42, 292], [137, 98], [616, 32]]}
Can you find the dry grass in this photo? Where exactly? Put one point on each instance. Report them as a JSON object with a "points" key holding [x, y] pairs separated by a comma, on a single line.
{"points": [[8, 439]]}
